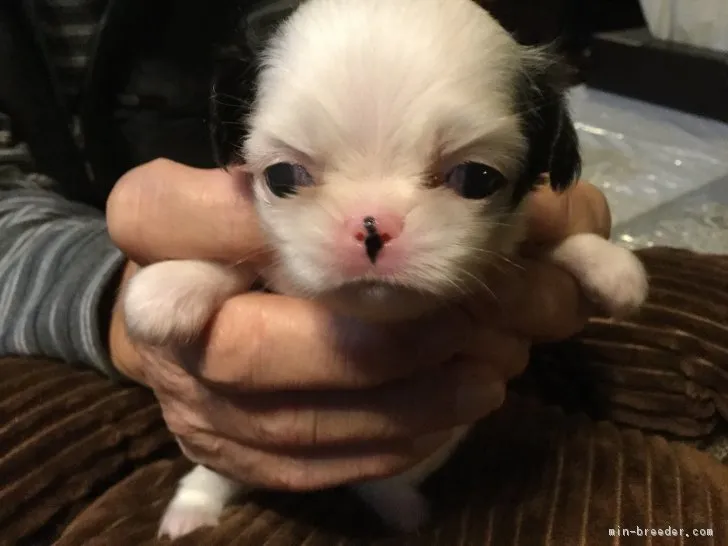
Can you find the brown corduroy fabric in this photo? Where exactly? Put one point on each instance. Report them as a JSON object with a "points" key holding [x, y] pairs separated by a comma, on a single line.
{"points": [[528, 476], [664, 370], [65, 436], [90, 463]]}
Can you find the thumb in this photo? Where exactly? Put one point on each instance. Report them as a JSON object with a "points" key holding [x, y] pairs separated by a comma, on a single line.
{"points": [[552, 216], [166, 210]]}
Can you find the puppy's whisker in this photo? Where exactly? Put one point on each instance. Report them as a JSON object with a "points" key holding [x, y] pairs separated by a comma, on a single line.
{"points": [[234, 100], [509, 262], [486, 253], [250, 257], [473, 280]]}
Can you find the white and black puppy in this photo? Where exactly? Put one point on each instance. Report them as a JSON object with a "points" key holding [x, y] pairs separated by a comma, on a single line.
{"points": [[390, 148]]}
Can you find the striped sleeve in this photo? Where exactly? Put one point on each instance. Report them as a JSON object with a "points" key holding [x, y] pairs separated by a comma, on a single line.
{"points": [[58, 271]]}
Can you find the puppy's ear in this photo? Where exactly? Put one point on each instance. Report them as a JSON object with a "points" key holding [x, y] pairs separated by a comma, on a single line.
{"points": [[553, 143]]}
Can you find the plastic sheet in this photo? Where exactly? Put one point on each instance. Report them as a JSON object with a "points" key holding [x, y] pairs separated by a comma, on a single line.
{"points": [[697, 221], [702, 23], [665, 173]]}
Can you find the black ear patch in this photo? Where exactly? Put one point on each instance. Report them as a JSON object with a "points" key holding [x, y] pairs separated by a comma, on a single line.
{"points": [[553, 143]]}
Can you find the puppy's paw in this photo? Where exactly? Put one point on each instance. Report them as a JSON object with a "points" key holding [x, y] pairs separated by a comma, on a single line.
{"points": [[170, 303], [182, 518], [612, 276], [621, 286], [198, 502]]}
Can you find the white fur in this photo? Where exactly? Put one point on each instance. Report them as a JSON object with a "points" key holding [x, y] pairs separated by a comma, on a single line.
{"points": [[372, 97], [397, 500], [200, 499], [171, 302], [611, 275]]}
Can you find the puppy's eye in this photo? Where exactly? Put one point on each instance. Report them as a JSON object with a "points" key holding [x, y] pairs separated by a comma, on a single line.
{"points": [[284, 179], [475, 180]]}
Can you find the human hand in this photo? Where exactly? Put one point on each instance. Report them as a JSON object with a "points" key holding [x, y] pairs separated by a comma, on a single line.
{"points": [[536, 298], [285, 404], [533, 299], [288, 406]]}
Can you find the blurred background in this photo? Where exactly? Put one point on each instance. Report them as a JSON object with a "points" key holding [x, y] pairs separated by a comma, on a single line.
{"points": [[650, 98], [651, 104]]}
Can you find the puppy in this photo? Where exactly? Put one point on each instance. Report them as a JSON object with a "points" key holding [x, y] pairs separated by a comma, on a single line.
{"points": [[390, 148]]}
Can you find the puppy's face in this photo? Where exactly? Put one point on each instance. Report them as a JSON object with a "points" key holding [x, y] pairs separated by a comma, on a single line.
{"points": [[389, 146]]}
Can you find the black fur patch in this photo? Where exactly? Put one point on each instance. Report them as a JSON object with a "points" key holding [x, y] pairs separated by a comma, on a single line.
{"points": [[553, 143]]}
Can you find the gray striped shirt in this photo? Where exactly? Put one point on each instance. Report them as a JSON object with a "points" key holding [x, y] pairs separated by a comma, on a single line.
{"points": [[57, 261]]}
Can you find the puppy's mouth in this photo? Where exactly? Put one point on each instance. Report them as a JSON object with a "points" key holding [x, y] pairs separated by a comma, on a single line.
{"points": [[372, 287]]}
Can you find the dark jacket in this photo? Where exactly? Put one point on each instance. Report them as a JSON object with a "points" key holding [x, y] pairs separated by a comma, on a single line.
{"points": [[146, 94]]}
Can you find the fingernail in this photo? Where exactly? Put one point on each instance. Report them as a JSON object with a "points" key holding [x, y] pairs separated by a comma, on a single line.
{"points": [[475, 400]]}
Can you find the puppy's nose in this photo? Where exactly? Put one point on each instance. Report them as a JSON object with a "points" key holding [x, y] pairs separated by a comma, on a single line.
{"points": [[375, 231]]}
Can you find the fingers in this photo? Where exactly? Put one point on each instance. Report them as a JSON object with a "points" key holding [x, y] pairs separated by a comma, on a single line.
{"points": [[436, 400], [554, 216], [266, 342], [165, 210], [309, 440], [396, 412], [282, 444], [538, 300], [279, 471], [194, 415]]}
